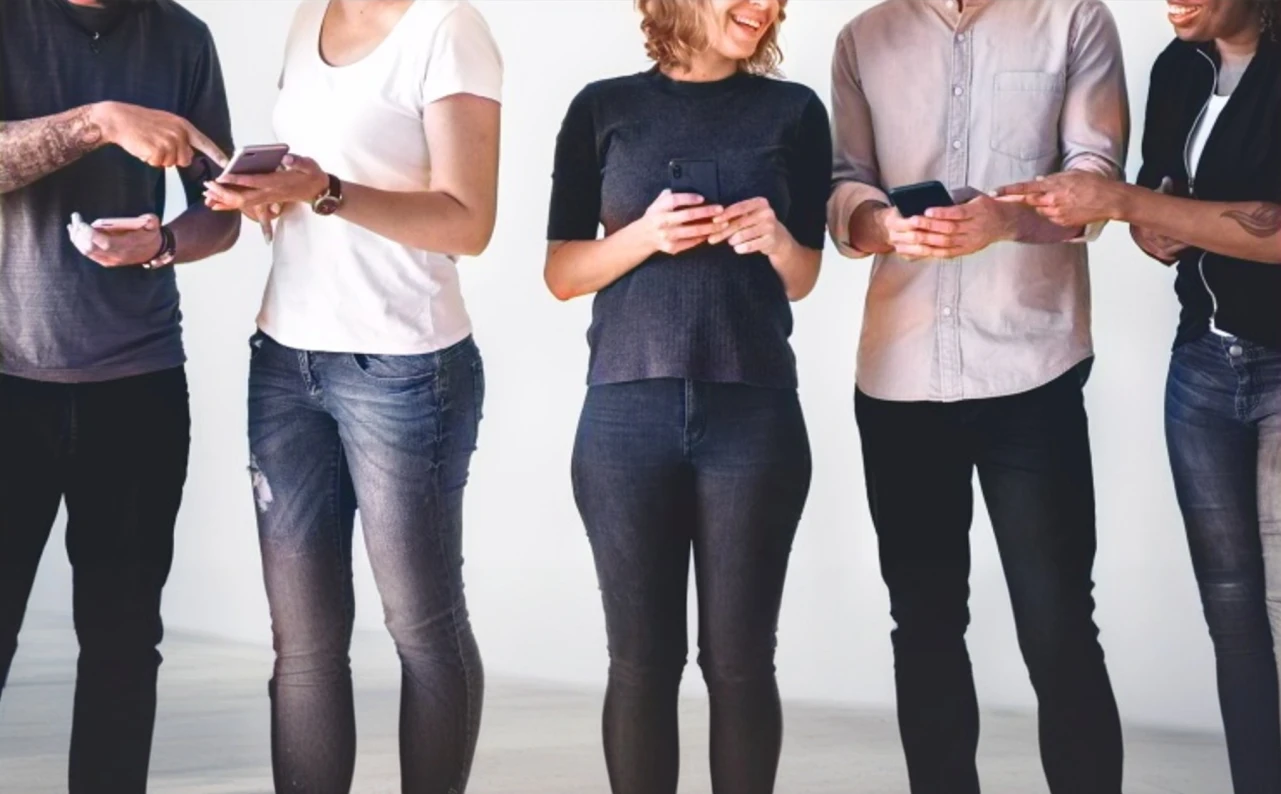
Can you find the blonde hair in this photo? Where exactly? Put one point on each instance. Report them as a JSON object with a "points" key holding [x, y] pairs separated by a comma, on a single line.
{"points": [[674, 33]]}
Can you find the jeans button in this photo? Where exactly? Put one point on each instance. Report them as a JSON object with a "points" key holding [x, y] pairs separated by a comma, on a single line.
{"points": [[1236, 351]]}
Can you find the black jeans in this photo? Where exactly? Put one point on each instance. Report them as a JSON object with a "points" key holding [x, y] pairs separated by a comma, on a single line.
{"points": [[663, 467], [1032, 454], [117, 452], [1223, 427]]}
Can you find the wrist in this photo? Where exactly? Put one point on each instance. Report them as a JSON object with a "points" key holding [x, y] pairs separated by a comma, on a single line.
{"points": [[868, 229], [103, 115], [1123, 205]]}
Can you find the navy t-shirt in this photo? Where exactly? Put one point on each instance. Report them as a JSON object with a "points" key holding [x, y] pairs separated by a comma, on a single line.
{"points": [[707, 314], [64, 318]]}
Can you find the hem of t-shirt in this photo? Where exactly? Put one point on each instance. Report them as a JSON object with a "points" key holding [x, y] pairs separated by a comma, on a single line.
{"points": [[1054, 373], [96, 374], [332, 345]]}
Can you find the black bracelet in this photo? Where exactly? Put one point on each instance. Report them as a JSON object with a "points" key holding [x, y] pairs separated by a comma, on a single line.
{"points": [[168, 245]]}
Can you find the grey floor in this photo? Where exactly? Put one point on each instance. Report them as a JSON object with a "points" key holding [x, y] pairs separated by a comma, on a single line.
{"points": [[212, 733]]}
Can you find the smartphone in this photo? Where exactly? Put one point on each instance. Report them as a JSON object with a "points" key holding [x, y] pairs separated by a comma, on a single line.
{"points": [[699, 177], [257, 159], [120, 224], [914, 200]]}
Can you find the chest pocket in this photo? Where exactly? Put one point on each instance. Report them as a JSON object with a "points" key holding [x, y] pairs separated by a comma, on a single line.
{"points": [[1025, 114]]}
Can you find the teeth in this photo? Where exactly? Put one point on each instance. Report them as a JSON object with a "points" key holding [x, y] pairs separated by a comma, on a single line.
{"points": [[1179, 11], [751, 23]]}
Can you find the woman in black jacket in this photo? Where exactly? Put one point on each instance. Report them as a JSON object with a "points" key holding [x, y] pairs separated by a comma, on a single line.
{"points": [[1209, 199]]}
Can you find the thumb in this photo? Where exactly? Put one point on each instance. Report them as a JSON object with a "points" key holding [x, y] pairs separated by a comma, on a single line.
{"points": [[152, 223]]}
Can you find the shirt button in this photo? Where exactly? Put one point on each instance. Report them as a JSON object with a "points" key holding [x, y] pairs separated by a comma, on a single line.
{"points": [[1236, 351], [956, 145], [958, 91], [960, 38], [947, 311]]}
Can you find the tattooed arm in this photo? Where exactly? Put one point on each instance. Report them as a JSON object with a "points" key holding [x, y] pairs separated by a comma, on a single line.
{"points": [[31, 150], [1244, 230]]}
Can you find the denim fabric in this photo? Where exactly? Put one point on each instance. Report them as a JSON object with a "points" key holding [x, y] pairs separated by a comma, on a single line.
{"points": [[393, 437], [1223, 427], [1032, 455], [663, 468], [117, 452]]}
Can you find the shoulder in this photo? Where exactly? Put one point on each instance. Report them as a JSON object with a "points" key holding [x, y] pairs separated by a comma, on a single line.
{"points": [[180, 24], [611, 92], [457, 19], [882, 17], [781, 93]]}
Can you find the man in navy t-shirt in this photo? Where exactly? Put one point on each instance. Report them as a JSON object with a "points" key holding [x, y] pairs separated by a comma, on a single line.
{"points": [[97, 98]]}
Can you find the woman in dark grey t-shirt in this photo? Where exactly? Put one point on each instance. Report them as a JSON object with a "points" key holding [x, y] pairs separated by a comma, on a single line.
{"points": [[692, 435]]}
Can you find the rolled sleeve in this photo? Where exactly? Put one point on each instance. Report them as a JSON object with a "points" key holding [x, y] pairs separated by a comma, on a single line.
{"points": [[1096, 111], [855, 171]]}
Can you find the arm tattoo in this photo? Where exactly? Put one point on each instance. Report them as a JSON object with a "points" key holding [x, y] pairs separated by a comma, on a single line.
{"points": [[1263, 222], [31, 150]]}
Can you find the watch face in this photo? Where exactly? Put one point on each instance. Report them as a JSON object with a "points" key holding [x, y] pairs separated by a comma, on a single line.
{"points": [[327, 205]]}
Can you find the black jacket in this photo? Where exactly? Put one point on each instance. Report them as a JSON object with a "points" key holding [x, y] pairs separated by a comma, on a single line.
{"points": [[1241, 162]]}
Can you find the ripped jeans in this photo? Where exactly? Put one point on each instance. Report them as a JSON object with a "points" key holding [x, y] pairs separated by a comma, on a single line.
{"points": [[393, 437]]}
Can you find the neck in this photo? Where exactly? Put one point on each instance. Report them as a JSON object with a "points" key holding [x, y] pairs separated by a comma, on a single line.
{"points": [[704, 68], [1242, 45]]}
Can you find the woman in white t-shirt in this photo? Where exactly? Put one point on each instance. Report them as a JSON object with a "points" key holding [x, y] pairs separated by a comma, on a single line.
{"points": [[365, 386]]}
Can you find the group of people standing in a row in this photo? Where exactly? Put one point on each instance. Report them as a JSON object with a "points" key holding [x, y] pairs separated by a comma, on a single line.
{"points": [[366, 389]]}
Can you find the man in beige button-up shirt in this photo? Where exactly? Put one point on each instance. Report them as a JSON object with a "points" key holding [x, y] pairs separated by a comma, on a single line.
{"points": [[976, 342]]}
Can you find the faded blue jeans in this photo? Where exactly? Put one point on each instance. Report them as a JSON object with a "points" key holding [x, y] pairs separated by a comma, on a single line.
{"points": [[1223, 426], [393, 437]]}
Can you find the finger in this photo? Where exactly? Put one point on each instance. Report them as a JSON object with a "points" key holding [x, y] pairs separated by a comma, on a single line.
{"points": [[201, 143], [1043, 200], [743, 208], [672, 201], [757, 246], [958, 213], [151, 222], [252, 181], [220, 194], [1167, 186], [748, 234], [938, 226], [1021, 189], [268, 234], [691, 231], [681, 217], [100, 241]]}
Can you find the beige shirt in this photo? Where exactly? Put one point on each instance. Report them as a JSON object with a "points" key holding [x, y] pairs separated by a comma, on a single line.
{"points": [[1005, 91]]}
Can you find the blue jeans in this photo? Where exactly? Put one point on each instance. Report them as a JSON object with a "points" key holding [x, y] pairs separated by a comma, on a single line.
{"points": [[663, 469], [393, 437], [1223, 427]]}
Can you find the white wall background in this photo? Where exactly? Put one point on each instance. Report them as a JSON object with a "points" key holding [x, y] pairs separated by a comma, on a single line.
{"points": [[531, 584]]}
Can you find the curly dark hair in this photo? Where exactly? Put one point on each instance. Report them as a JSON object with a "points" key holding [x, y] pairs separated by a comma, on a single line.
{"points": [[1270, 17]]}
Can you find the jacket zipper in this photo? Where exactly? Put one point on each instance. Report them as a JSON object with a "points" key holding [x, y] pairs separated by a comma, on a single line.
{"points": [[1188, 165]]}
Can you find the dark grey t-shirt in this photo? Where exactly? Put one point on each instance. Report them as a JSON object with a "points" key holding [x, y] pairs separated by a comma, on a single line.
{"points": [[63, 318], [707, 314]]}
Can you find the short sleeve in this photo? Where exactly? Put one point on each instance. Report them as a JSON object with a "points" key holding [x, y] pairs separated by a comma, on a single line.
{"points": [[208, 112], [811, 177], [576, 176], [464, 58]]}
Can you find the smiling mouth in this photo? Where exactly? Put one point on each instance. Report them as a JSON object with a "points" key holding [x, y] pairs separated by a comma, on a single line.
{"points": [[752, 25], [1181, 14]]}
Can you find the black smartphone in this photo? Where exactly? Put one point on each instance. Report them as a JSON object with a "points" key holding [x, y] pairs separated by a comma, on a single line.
{"points": [[699, 177], [914, 200]]}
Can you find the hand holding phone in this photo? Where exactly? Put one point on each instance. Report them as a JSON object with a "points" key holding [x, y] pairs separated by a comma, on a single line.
{"points": [[914, 200], [677, 222], [697, 176], [253, 160]]}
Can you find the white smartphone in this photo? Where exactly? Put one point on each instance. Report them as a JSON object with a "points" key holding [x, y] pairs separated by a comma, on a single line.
{"points": [[257, 159], [120, 224]]}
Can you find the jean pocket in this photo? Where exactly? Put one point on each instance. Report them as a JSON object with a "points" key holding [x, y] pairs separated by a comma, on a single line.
{"points": [[478, 384], [1025, 114], [397, 369], [256, 342]]}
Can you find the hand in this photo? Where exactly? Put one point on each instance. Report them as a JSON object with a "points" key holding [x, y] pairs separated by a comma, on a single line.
{"points": [[300, 180], [265, 216], [751, 227], [1072, 199], [1161, 248], [677, 222], [952, 232], [126, 248], [159, 139]]}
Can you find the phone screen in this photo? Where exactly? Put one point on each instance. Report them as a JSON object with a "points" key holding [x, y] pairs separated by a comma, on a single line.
{"points": [[914, 200]]}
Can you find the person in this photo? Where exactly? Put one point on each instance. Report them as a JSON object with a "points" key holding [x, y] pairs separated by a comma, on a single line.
{"points": [[975, 350], [97, 99], [1208, 199], [366, 385], [691, 435]]}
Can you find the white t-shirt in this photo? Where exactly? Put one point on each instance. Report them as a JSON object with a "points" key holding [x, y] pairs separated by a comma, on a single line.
{"points": [[334, 286], [1205, 127]]}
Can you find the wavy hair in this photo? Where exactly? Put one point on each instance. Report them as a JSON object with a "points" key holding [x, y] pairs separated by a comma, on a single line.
{"points": [[674, 34]]}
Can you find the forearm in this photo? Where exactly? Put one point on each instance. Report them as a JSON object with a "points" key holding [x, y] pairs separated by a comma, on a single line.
{"points": [[798, 267], [200, 233], [1245, 230], [31, 150], [430, 221], [583, 267]]}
